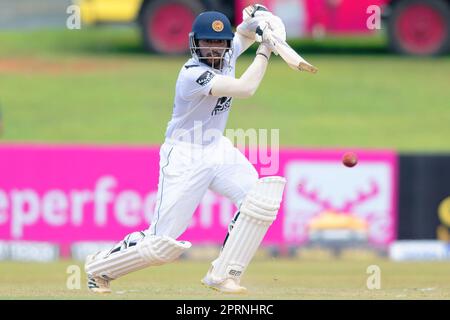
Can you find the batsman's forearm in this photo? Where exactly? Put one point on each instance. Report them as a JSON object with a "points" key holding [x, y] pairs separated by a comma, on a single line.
{"points": [[246, 85]]}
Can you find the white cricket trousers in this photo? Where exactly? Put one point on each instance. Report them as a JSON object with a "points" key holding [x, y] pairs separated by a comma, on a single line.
{"points": [[187, 171]]}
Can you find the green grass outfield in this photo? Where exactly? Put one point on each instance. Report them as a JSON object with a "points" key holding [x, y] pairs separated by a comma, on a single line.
{"points": [[265, 279], [98, 86]]}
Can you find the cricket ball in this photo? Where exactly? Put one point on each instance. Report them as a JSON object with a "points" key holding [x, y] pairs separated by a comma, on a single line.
{"points": [[350, 159]]}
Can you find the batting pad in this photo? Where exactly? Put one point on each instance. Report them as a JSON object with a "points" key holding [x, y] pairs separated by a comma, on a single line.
{"points": [[258, 210], [151, 251]]}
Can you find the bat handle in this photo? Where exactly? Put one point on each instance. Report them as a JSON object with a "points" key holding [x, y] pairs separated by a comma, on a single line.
{"points": [[273, 44]]}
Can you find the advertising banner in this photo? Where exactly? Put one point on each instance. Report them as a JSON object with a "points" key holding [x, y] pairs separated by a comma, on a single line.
{"points": [[67, 194]]}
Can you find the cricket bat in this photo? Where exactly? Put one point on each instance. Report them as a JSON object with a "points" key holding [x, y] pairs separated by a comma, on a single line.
{"points": [[279, 46], [292, 58]]}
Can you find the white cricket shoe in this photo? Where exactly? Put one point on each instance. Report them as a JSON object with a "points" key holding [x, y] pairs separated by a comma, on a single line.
{"points": [[97, 284], [224, 286]]}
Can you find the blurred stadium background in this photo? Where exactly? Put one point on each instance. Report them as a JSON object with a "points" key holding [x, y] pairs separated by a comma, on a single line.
{"points": [[83, 112]]}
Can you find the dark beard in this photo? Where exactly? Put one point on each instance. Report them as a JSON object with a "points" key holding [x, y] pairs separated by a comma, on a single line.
{"points": [[214, 63]]}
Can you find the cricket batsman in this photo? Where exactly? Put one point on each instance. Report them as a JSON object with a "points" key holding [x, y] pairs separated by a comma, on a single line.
{"points": [[190, 163]]}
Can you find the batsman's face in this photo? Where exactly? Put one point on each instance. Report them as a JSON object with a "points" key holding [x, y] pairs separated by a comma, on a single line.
{"points": [[213, 50]]}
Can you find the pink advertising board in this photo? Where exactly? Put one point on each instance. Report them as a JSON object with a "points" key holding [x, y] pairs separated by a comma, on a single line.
{"points": [[65, 194], [306, 17]]}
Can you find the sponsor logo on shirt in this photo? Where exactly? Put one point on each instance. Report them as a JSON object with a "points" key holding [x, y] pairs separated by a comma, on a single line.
{"points": [[205, 78], [222, 105]]}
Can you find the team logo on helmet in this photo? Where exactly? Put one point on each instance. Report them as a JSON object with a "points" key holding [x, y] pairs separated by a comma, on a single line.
{"points": [[217, 25]]}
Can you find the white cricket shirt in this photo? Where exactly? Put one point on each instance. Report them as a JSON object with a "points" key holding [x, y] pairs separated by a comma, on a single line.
{"points": [[197, 116]]}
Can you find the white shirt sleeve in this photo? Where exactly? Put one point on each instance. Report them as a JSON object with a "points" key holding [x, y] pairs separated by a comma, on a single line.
{"points": [[246, 85], [195, 80]]}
